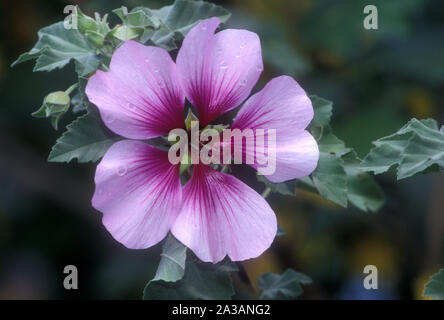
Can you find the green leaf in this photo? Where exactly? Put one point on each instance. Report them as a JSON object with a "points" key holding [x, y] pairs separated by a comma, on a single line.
{"points": [[362, 189], [95, 30], [284, 286], [125, 33], [329, 143], [84, 22], [79, 100], [121, 12], [136, 23], [201, 281], [172, 263], [88, 65], [178, 18], [416, 147], [285, 188], [330, 178], [142, 18], [435, 287], [339, 178], [85, 139], [57, 46], [323, 110]]}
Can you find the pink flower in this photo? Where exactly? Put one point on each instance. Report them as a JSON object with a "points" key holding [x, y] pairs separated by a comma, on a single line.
{"points": [[142, 96]]}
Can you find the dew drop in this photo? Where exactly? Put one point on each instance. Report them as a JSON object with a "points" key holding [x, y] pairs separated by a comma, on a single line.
{"points": [[223, 65], [242, 45], [109, 118], [131, 106], [242, 82], [147, 60], [121, 170], [204, 27], [161, 84], [156, 70], [259, 67], [238, 55]]}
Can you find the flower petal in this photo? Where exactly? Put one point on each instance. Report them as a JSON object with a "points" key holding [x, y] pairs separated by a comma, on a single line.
{"points": [[139, 193], [218, 70], [296, 156], [284, 106], [140, 97], [223, 216]]}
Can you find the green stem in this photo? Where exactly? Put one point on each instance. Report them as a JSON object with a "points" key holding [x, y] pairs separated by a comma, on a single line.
{"points": [[104, 66], [71, 88], [266, 192]]}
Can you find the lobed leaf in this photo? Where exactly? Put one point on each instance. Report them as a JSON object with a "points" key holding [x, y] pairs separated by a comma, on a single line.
{"points": [[323, 111], [362, 189], [85, 140], [435, 287], [330, 178], [57, 46], [95, 30], [177, 19], [282, 286], [416, 147], [172, 263], [286, 188], [201, 281]]}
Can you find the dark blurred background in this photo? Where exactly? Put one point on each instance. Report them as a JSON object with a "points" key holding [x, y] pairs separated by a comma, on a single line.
{"points": [[378, 79]]}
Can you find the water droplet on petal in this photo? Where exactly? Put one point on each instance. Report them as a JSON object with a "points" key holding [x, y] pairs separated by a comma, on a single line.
{"points": [[121, 170], [147, 60], [242, 45], [203, 26], [238, 55], [223, 65], [259, 67], [161, 84], [242, 82], [131, 106], [155, 69], [109, 118]]}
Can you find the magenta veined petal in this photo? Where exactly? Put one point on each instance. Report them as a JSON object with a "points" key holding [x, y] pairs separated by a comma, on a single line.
{"points": [[284, 106], [139, 193], [296, 157], [218, 70], [223, 216], [140, 97]]}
